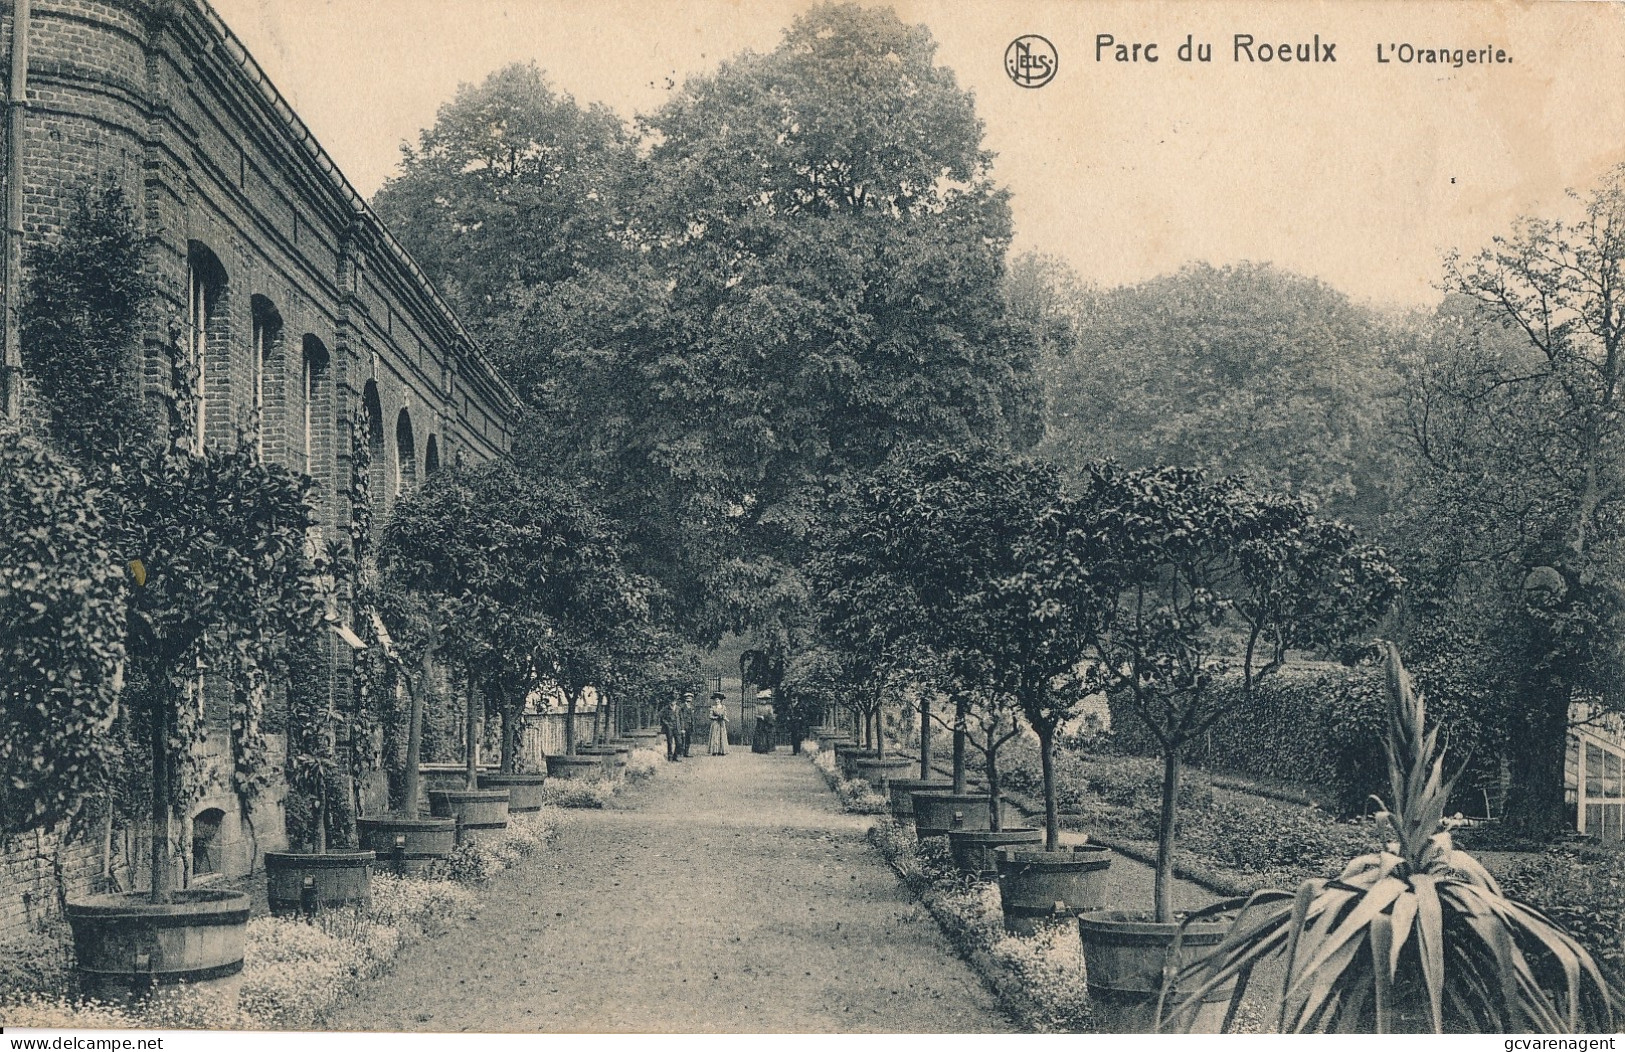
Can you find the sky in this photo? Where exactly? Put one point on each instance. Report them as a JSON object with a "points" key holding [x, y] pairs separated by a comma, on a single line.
{"points": [[1359, 172]]}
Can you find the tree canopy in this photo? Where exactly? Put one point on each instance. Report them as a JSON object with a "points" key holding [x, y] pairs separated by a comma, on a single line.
{"points": [[515, 187], [802, 268], [1242, 369], [1515, 508]]}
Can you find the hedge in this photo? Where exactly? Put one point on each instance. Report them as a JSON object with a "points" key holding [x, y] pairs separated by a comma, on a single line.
{"points": [[1320, 726]]}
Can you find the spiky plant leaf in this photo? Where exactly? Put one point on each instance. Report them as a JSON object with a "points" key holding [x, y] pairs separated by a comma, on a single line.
{"points": [[1416, 936]]}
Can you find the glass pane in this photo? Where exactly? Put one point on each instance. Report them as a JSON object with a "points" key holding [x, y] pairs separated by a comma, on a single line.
{"points": [[1593, 770], [1610, 779]]}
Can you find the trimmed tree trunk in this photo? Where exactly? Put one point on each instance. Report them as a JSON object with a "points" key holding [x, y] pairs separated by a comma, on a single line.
{"points": [[1052, 817], [570, 697], [1164, 894], [163, 884], [510, 739], [993, 819], [471, 726], [961, 713], [880, 731], [318, 817], [417, 689], [925, 736], [323, 812]]}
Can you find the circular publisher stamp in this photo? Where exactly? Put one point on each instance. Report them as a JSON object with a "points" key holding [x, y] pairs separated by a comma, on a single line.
{"points": [[1031, 61]]}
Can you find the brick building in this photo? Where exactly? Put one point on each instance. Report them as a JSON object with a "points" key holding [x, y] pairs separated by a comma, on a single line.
{"points": [[275, 277]]}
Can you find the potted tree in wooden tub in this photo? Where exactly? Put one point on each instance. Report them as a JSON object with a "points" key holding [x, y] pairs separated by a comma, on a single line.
{"points": [[330, 874], [1196, 570], [1041, 614], [603, 607], [215, 545], [327, 875], [920, 542], [406, 842], [463, 544]]}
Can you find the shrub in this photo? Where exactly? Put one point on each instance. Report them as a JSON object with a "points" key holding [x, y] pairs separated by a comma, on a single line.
{"points": [[477, 861], [39, 960], [61, 638], [1048, 965], [292, 971], [1263, 836], [857, 796], [1320, 726], [860, 798], [421, 908], [590, 793], [642, 764], [1583, 892]]}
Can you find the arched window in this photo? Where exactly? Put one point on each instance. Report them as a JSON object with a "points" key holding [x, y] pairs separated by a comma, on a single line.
{"points": [[266, 363], [206, 842], [313, 410], [406, 463], [206, 288], [431, 457], [377, 474]]}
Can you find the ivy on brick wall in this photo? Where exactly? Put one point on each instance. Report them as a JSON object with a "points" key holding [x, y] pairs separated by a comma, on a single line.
{"points": [[191, 563], [81, 321], [61, 638]]}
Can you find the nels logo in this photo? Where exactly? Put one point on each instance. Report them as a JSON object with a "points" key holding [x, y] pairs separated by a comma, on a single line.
{"points": [[1030, 61]]}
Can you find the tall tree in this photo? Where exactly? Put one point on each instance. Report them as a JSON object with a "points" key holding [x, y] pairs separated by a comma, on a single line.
{"points": [[515, 188], [1513, 415], [822, 280], [829, 220], [809, 271], [1240, 370]]}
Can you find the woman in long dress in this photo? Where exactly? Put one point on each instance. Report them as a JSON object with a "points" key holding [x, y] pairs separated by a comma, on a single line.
{"points": [[763, 741], [719, 725]]}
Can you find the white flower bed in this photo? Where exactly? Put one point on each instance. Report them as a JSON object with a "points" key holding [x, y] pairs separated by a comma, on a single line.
{"points": [[643, 763], [1039, 977], [856, 794], [294, 972]]}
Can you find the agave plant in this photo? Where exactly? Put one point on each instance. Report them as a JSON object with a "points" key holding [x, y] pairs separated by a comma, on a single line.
{"points": [[1416, 937]]}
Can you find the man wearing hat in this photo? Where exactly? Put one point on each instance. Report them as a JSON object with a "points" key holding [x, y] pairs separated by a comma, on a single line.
{"points": [[669, 726], [685, 713]]}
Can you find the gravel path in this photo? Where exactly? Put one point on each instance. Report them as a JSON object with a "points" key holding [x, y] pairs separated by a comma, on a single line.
{"points": [[727, 894]]}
